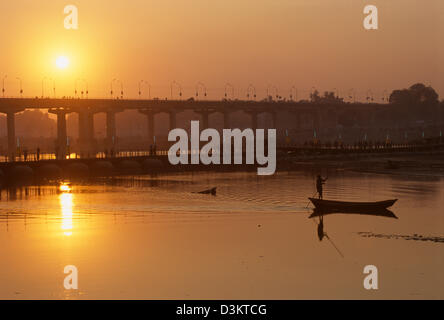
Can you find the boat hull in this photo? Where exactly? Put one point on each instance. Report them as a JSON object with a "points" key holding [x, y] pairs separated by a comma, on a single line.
{"points": [[343, 206]]}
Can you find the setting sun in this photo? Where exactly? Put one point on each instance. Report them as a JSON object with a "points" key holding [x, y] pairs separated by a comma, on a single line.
{"points": [[62, 62]]}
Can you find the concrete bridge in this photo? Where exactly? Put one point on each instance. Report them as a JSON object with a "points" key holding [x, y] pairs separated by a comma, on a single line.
{"points": [[321, 114]]}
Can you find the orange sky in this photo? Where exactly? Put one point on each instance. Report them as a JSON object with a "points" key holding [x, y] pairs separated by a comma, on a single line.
{"points": [[280, 43]]}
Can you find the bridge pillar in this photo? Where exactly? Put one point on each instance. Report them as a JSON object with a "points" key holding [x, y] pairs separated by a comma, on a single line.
{"points": [[227, 124], [150, 128], [86, 133], [441, 114], [10, 120], [62, 138], [274, 119], [371, 118], [254, 116], [336, 120], [205, 118], [150, 118], [317, 122], [172, 115], [61, 135], [90, 120], [298, 121], [110, 129]]}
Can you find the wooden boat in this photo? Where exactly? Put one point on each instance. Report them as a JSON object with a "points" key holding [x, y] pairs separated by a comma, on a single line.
{"points": [[344, 206]]}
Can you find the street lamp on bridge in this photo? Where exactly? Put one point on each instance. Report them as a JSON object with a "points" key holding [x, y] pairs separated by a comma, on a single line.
{"points": [[177, 85], [294, 90], [312, 92], [369, 96], [202, 86], [53, 87], [43, 86], [121, 87], [385, 97], [111, 92], [336, 93], [352, 95], [141, 82], [229, 85], [251, 91], [275, 91], [86, 87], [21, 88], [3, 86]]}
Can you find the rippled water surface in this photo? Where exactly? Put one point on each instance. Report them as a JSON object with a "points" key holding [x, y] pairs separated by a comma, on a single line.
{"points": [[148, 237]]}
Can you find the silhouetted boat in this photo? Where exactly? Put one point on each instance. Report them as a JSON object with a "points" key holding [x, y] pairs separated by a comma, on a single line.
{"points": [[379, 213], [344, 206]]}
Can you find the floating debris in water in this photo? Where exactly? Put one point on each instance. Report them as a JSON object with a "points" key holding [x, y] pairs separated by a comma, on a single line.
{"points": [[414, 237]]}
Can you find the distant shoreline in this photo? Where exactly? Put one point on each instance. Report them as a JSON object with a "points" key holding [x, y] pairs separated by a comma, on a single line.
{"points": [[425, 163], [405, 164]]}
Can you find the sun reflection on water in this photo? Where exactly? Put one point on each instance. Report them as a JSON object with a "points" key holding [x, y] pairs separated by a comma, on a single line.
{"points": [[64, 187], [66, 203]]}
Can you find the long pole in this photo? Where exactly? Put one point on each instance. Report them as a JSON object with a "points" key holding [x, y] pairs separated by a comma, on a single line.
{"points": [[331, 241], [309, 199]]}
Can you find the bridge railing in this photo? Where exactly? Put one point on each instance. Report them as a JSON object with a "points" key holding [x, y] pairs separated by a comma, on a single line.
{"points": [[315, 148]]}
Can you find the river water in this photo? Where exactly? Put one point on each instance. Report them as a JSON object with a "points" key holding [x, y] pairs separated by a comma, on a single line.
{"points": [[151, 237]]}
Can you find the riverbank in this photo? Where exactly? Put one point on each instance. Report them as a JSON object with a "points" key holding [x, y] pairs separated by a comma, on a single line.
{"points": [[405, 164], [425, 163]]}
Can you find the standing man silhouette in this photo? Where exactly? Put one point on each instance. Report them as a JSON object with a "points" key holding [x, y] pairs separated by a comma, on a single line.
{"points": [[319, 183]]}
